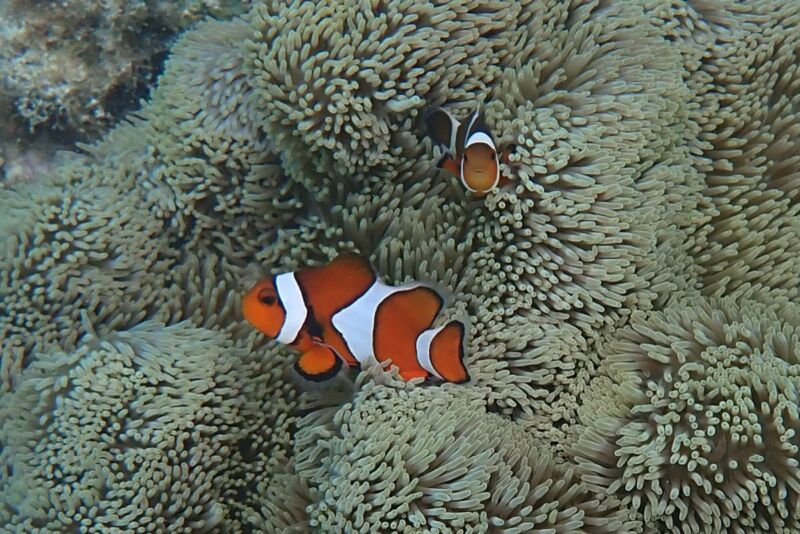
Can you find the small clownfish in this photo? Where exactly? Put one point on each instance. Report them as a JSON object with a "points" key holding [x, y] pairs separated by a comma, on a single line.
{"points": [[469, 150], [343, 313]]}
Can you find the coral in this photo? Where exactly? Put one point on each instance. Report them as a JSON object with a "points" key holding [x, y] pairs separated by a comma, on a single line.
{"points": [[695, 423], [406, 459], [74, 64], [654, 165]]}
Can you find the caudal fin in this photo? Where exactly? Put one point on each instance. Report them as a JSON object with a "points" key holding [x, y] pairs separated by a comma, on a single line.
{"points": [[447, 353]]}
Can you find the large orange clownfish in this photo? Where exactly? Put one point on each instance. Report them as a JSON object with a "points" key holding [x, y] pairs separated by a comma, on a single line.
{"points": [[469, 150], [343, 313]]}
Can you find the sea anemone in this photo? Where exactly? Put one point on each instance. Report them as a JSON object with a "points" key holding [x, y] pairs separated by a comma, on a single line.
{"points": [[693, 421], [400, 457]]}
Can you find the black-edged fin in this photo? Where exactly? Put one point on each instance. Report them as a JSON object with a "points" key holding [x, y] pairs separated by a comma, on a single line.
{"points": [[473, 119], [447, 353], [443, 128], [337, 389], [319, 364], [448, 163], [506, 152], [476, 124]]}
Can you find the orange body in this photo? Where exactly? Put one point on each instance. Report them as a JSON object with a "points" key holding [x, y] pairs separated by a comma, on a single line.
{"points": [[342, 312], [470, 152]]}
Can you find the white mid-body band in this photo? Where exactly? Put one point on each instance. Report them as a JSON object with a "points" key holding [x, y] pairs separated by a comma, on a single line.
{"points": [[356, 322]]}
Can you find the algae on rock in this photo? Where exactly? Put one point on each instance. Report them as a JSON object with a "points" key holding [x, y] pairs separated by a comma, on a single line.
{"points": [[67, 64]]}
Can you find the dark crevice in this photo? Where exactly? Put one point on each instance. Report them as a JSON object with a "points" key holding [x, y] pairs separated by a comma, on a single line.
{"points": [[125, 97]]}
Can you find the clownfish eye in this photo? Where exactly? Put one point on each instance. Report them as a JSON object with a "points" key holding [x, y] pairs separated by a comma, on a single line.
{"points": [[493, 156], [267, 297]]}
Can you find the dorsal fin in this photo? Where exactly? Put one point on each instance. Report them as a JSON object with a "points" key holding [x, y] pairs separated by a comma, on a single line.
{"points": [[473, 120], [443, 128], [477, 125]]}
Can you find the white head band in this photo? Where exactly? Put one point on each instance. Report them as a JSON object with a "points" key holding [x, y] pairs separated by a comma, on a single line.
{"points": [[293, 304]]}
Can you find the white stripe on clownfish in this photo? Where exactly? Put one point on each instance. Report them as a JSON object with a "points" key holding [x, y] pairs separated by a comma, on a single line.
{"points": [[453, 147], [294, 305], [480, 137], [472, 123], [343, 309], [469, 151], [424, 350], [356, 322]]}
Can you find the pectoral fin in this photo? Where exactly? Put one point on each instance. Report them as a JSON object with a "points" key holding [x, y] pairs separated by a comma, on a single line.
{"points": [[318, 364], [449, 164], [506, 153]]}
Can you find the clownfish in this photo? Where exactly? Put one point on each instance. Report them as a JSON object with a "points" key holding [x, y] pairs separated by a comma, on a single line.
{"points": [[343, 312], [469, 150]]}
